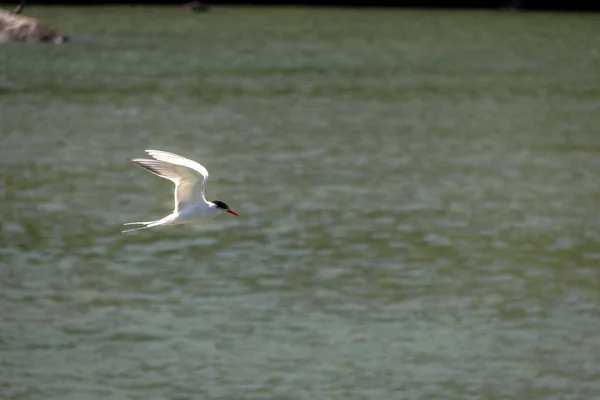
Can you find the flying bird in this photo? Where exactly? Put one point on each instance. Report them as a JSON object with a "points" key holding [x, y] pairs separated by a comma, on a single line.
{"points": [[190, 179]]}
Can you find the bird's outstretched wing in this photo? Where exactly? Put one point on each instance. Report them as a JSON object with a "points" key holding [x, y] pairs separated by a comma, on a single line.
{"points": [[188, 176]]}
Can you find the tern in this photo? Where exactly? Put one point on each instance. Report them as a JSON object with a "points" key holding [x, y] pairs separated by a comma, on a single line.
{"points": [[190, 179]]}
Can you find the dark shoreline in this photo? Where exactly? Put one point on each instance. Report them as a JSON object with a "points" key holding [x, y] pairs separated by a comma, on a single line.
{"points": [[516, 5]]}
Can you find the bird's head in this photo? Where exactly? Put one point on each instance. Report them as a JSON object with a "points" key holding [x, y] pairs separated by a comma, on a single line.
{"points": [[224, 207]]}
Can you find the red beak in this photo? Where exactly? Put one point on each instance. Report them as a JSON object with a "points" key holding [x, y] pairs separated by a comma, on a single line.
{"points": [[232, 212]]}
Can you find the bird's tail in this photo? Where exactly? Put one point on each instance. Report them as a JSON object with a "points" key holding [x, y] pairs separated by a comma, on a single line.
{"points": [[149, 224], [146, 225]]}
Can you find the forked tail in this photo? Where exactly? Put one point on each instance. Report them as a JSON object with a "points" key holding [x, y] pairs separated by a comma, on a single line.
{"points": [[149, 224], [146, 225]]}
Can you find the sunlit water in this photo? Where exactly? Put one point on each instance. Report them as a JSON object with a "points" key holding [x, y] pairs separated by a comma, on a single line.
{"points": [[418, 196]]}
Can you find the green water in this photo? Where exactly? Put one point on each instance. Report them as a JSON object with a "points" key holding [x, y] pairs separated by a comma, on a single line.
{"points": [[418, 196]]}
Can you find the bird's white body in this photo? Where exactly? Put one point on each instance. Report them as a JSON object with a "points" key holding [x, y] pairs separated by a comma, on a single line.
{"points": [[190, 179]]}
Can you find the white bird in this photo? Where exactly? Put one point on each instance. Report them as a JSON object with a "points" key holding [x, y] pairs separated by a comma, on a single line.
{"points": [[190, 179]]}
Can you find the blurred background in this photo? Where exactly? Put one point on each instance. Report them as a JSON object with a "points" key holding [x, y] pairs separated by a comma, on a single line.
{"points": [[418, 194]]}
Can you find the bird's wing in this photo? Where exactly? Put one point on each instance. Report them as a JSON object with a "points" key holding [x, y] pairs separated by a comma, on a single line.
{"points": [[184, 173], [184, 162]]}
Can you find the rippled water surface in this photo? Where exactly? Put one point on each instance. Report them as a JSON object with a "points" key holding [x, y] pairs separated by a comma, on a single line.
{"points": [[418, 196]]}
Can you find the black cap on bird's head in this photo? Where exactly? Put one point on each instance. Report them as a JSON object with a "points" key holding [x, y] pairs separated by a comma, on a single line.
{"points": [[222, 206]]}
